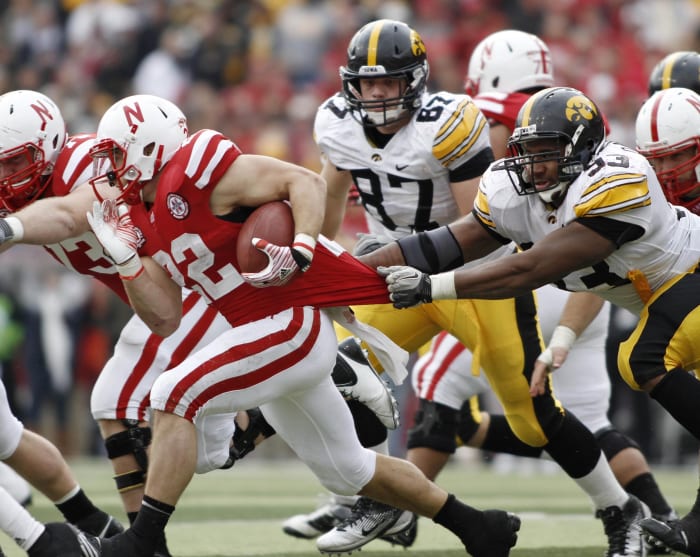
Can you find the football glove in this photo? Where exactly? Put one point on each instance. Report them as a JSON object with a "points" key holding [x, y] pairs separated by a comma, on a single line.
{"points": [[407, 286], [284, 262], [367, 243], [113, 228]]}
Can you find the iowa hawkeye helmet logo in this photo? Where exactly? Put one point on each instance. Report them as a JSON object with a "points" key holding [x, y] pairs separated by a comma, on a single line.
{"points": [[580, 108]]}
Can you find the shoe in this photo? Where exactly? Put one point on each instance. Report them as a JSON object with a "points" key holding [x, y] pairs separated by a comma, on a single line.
{"points": [[623, 530], [100, 524], [61, 539], [403, 533], [312, 525], [162, 547], [674, 534], [356, 379], [368, 520], [495, 536], [655, 546]]}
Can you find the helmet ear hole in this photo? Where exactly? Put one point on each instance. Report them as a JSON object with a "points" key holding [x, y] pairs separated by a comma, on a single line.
{"points": [[148, 149]]}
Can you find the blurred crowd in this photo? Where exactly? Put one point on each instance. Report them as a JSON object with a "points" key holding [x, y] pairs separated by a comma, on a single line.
{"points": [[257, 70]]}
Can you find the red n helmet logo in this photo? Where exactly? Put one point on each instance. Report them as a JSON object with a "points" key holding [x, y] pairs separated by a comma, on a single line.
{"points": [[134, 116], [43, 113]]}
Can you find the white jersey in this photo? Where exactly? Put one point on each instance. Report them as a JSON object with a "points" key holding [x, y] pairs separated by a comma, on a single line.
{"points": [[405, 186], [619, 188]]}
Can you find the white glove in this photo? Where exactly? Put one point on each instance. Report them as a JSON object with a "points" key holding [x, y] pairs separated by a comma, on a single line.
{"points": [[113, 228]]}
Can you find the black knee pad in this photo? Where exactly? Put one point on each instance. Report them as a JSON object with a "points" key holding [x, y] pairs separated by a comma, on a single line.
{"points": [[435, 427], [370, 431], [133, 440], [468, 422], [612, 441]]}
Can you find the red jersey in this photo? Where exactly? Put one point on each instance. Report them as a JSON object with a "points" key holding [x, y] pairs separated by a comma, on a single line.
{"points": [[202, 254], [501, 108], [84, 254]]}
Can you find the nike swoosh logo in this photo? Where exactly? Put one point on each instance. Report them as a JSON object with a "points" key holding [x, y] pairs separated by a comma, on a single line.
{"points": [[401, 167]]}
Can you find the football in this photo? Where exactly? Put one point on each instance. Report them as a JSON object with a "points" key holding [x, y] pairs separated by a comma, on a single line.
{"points": [[271, 221]]}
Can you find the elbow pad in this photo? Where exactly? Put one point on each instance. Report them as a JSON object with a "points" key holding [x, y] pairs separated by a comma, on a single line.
{"points": [[433, 251]]}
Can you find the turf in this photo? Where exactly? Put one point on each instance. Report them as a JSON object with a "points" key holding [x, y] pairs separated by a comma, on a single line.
{"points": [[238, 512]]}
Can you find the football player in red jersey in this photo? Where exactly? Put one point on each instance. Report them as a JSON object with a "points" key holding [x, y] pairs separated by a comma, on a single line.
{"points": [[668, 135], [120, 398], [32, 136], [280, 349]]}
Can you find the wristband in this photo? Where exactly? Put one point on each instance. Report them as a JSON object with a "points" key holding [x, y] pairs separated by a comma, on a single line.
{"points": [[11, 228], [562, 337], [130, 269], [442, 286], [304, 245]]}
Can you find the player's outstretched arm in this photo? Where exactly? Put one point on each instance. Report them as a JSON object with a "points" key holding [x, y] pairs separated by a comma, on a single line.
{"points": [[50, 220]]}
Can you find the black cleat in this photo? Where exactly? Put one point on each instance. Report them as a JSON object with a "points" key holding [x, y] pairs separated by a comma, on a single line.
{"points": [[673, 534], [496, 535], [61, 539], [623, 530], [100, 524]]}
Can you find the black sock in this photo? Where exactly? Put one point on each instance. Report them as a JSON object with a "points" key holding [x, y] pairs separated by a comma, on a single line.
{"points": [[77, 507], [501, 439], [645, 488], [457, 517], [151, 520], [132, 517], [678, 392]]}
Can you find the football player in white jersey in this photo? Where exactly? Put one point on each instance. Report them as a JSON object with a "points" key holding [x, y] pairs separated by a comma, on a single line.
{"points": [[505, 69], [590, 215], [668, 135], [415, 158]]}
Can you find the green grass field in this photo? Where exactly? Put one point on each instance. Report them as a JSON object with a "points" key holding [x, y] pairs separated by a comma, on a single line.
{"points": [[238, 512]]}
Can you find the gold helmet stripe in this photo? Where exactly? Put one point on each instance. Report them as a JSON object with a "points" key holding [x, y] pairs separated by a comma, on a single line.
{"points": [[668, 69], [373, 44], [526, 112]]}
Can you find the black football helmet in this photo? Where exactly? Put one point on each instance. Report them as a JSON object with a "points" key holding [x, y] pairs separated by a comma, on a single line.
{"points": [[678, 69], [562, 114], [385, 48]]}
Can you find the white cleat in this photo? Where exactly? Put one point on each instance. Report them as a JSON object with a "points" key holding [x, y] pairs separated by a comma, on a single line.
{"points": [[356, 379]]}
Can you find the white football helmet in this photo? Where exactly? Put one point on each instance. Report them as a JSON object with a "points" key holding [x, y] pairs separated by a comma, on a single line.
{"points": [[135, 138], [667, 124], [32, 134], [509, 61]]}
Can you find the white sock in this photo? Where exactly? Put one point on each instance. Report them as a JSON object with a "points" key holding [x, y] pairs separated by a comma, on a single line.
{"points": [[17, 523], [15, 484], [602, 486]]}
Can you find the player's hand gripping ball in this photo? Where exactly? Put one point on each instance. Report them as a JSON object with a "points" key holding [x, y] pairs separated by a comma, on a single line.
{"points": [[268, 252]]}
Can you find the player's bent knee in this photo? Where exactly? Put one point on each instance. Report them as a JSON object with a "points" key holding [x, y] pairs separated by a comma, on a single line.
{"points": [[612, 442], [469, 422], [435, 427], [134, 440]]}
